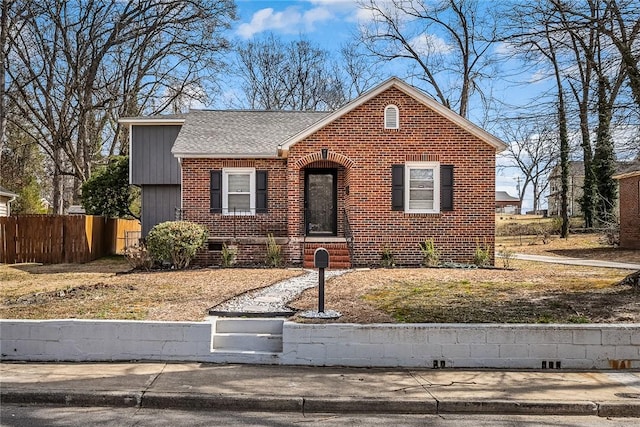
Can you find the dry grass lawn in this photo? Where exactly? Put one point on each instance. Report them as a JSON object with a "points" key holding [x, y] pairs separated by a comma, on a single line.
{"points": [[529, 292], [98, 290]]}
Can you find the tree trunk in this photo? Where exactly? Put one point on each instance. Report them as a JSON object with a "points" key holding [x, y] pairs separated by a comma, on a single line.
{"points": [[58, 184], [604, 159]]}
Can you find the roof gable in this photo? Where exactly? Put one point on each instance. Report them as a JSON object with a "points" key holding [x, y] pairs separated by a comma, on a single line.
{"points": [[410, 91]]}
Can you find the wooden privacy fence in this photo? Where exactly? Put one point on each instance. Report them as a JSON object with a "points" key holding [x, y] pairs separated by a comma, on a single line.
{"points": [[53, 239]]}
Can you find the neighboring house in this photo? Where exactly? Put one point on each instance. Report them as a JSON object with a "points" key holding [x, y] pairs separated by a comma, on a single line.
{"points": [[629, 191], [576, 182], [6, 197], [390, 169], [506, 203], [76, 210]]}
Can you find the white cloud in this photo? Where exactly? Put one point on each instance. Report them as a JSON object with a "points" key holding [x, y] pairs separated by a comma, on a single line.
{"points": [[318, 14], [288, 21], [428, 44]]}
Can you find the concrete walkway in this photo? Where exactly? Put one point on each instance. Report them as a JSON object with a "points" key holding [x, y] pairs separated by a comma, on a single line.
{"points": [[273, 299], [577, 261], [318, 389]]}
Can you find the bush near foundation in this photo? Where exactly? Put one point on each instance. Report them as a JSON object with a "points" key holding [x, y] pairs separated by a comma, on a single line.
{"points": [[175, 242]]}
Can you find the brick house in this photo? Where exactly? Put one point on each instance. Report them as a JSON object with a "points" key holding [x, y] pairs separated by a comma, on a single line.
{"points": [[388, 170], [629, 194]]}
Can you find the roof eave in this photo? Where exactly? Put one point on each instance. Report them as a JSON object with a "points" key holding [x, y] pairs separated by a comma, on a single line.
{"points": [[180, 155], [12, 196], [148, 121], [627, 175]]}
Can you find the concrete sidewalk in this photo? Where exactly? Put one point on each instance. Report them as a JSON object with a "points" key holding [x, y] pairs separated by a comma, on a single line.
{"points": [[576, 261], [320, 389]]}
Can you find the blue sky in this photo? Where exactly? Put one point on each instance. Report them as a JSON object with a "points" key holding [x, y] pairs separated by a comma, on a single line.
{"points": [[331, 23]]}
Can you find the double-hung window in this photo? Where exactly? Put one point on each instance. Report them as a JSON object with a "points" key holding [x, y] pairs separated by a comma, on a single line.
{"points": [[239, 191], [422, 187]]}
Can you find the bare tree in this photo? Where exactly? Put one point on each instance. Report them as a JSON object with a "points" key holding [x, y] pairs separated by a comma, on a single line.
{"points": [[447, 41], [75, 66], [533, 149], [620, 21], [536, 38], [289, 76], [361, 72]]}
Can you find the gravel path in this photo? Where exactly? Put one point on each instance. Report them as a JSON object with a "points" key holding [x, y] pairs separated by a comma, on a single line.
{"points": [[274, 298]]}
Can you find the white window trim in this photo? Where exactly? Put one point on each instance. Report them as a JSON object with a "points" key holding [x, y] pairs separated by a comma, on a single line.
{"points": [[396, 112], [436, 185], [225, 190]]}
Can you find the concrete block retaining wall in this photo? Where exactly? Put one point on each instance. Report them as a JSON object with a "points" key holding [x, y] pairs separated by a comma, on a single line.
{"points": [[464, 345], [392, 345]]}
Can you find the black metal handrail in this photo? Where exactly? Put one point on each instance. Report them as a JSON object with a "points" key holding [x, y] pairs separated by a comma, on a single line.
{"points": [[348, 234]]}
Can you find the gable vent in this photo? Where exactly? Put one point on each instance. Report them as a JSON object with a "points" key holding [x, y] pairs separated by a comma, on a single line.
{"points": [[391, 117]]}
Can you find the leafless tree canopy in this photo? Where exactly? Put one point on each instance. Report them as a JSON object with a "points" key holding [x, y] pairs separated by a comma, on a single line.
{"points": [[289, 76], [74, 67], [447, 42]]}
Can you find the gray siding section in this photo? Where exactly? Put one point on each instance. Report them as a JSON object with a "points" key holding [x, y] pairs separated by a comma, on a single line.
{"points": [[159, 203], [151, 158]]}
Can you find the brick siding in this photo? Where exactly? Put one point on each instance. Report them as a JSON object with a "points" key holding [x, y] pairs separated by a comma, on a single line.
{"points": [[363, 152]]}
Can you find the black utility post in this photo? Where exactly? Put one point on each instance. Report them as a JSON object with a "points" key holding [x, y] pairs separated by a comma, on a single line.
{"points": [[321, 261]]}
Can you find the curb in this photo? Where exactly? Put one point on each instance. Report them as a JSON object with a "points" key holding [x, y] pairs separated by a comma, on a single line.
{"points": [[201, 401], [51, 397], [518, 407], [619, 409]]}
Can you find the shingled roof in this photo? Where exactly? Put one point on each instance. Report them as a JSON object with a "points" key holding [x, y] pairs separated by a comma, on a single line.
{"points": [[503, 196], [246, 133]]}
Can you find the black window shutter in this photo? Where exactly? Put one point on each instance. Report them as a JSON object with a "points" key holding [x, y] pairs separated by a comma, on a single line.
{"points": [[397, 187], [261, 191], [216, 191], [446, 187]]}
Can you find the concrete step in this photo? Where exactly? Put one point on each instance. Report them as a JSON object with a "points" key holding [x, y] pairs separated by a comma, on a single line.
{"points": [[262, 343], [249, 326]]}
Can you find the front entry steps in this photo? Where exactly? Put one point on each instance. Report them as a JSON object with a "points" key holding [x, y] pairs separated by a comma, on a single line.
{"points": [[339, 258], [256, 340]]}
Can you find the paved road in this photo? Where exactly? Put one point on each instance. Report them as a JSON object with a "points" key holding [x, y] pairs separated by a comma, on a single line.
{"points": [[38, 416]]}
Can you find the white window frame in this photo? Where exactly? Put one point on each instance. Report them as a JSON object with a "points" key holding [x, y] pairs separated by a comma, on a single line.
{"points": [[392, 109], [226, 172], [436, 185]]}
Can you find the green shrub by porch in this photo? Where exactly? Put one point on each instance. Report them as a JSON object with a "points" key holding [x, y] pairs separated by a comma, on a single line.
{"points": [[175, 242]]}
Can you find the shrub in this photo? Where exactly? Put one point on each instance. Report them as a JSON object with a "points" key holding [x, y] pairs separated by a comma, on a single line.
{"points": [[274, 252], [430, 255], [388, 260], [507, 256], [228, 255], [481, 257], [175, 242], [138, 257]]}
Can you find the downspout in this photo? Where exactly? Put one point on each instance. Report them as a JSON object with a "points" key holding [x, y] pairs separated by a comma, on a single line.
{"points": [[9, 205]]}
